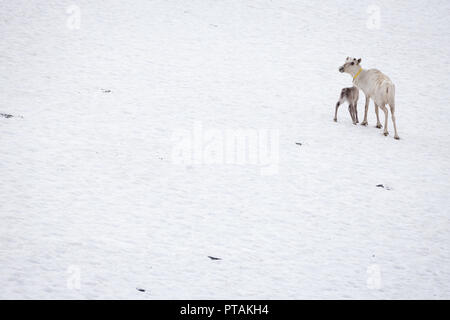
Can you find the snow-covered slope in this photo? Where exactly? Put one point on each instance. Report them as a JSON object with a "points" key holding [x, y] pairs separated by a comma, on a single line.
{"points": [[95, 205]]}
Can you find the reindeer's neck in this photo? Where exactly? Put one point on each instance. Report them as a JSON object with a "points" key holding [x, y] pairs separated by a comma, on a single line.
{"points": [[356, 75]]}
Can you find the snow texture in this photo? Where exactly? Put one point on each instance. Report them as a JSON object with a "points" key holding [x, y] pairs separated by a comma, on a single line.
{"points": [[94, 205]]}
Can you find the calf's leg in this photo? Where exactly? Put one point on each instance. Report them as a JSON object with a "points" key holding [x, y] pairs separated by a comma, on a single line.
{"points": [[335, 112], [351, 109]]}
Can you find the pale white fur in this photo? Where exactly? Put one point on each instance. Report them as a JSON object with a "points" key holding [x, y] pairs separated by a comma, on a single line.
{"points": [[376, 86]]}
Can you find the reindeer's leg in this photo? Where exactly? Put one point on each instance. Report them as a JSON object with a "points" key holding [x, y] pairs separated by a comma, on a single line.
{"points": [[351, 109], [364, 123], [356, 112], [385, 110], [335, 112], [378, 116], [392, 106]]}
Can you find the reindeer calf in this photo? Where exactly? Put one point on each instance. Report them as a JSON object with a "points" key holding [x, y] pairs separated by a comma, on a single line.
{"points": [[350, 95]]}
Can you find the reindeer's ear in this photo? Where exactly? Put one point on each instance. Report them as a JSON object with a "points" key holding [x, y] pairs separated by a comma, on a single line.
{"points": [[348, 58], [359, 60]]}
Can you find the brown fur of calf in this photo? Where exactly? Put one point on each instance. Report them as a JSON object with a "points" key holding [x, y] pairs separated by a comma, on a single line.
{"points": [[350, 95]]}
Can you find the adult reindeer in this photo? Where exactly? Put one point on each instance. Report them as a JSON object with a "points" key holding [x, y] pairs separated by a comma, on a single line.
{"points": [[375, 85]]}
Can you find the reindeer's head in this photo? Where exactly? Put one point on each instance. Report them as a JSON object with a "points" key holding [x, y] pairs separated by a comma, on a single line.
{"points": [[351, 65]]}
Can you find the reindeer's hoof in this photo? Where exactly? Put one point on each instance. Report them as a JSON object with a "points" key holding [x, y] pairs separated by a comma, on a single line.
{"points": [[335, 119], [397, 138], [386, 133], [364, 123], [379, 126]]}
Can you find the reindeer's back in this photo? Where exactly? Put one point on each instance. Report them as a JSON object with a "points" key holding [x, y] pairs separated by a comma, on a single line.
{"points": [[381, 88]]}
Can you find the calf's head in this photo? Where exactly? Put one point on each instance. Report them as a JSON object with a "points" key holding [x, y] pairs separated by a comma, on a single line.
{"points": [[351, 65]]}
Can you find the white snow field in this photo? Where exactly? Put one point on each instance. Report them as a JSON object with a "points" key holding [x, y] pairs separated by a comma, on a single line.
{"points": [[95, 203]]}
